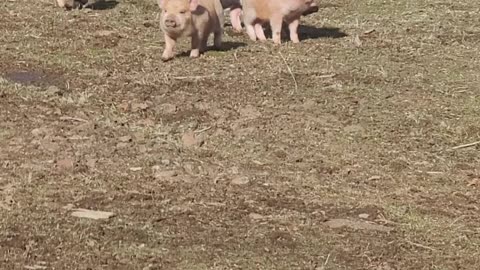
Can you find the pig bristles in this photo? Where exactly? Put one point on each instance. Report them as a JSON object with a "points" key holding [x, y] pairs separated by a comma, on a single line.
{"points": [[290, 71]]}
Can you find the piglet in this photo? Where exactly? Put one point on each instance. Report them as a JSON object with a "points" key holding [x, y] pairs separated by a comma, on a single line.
{"points": [[235, 13], [191, 18], [72, 4], [258, 12]]}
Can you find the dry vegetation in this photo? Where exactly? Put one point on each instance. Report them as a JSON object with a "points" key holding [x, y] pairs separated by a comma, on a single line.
{"points": [[246, 158]]}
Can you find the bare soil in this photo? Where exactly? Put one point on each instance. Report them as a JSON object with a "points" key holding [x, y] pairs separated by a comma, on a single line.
{"points": [[336, 153]]}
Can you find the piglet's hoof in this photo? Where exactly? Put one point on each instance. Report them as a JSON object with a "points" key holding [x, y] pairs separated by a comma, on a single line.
{"points": [[166, 59], [194, 54]]}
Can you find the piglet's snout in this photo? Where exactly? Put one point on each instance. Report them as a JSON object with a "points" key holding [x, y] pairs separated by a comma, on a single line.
{"points": [[170, 22]]}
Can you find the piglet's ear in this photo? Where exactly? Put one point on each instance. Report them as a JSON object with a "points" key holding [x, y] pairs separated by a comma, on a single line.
{"points": [[160, 3], [193, 5]]}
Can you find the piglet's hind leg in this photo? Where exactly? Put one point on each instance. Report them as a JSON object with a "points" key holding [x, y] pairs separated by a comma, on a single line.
{"points": [[293, 27], [235, 14], [259, 32], [276, 25]]}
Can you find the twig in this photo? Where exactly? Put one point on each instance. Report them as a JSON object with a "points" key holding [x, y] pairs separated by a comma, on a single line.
{"points": [[419, 245], [465, 145], [66, 118], [456, 220], [327, 76], [202, 130], [192, 77], [326, 261], [290, 71]]}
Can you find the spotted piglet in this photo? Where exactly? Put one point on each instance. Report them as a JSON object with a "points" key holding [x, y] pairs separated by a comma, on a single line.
{"points": [[190, 18], [258, 12]]}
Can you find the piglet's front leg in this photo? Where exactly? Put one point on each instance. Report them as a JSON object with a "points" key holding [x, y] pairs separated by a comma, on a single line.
{"points": [[168, 52], [196, 46]]}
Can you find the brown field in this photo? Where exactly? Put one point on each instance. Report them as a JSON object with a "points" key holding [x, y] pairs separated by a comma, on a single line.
{"points": [[336, 153]]}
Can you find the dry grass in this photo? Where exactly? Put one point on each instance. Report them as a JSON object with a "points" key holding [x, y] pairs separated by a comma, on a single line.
{"points": [[366, 127]]}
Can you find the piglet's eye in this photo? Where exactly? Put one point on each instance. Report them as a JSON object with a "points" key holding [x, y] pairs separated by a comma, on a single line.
{"points": [[182, 12]]}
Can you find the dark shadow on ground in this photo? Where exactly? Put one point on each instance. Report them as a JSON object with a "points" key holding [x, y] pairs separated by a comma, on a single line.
{"points": [[39, 78], [226, 46], [103, 5], [311, 32], [308, 32]]}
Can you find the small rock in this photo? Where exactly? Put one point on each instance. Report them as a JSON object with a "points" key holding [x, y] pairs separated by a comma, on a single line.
{"points": [[104, 33], [122, 145], [148, 24], [354, 129], [50, 146], [181, 208], [239, 181], [68, 206], [148, 122], [142, 149], [167, 108], [374, 178], [310, 104], [202, 106], [91, 163], [190, 168], [92, 214], [256, 216], [65, 164], [189, 139], [38, 132], [166, 162], [52, 90], [165, 174], [124, 106], [125, 139], [249, 112], [34, 267], [243, 132], [384, 266], [234, 170], [90, 243], [280, 154], [364, 216], [139, 107]]}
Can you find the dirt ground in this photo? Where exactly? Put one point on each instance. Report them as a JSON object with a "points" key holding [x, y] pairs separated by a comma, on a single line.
{"points": [[336, 153]]}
